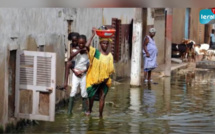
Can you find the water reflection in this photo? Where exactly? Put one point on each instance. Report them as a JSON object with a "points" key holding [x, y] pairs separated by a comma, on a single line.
{"points": [[149, 99], [95, 124], [190, 77], [135, 103], [135, 100], [191, 108], [167, 93]]}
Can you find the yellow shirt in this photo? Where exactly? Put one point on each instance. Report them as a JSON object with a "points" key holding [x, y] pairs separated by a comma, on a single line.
{"points": [[101, 67]]}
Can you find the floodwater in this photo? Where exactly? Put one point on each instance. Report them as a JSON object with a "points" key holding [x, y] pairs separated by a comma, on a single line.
{"points": [[180, 104]]}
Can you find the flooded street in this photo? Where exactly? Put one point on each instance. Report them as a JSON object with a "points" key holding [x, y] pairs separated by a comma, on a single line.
{"points": [[182, 104]]}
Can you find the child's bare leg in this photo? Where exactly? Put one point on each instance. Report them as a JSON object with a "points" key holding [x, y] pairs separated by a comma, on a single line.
{"points": [[101, 102], [145, 75], [149, 75], [91, 100]]}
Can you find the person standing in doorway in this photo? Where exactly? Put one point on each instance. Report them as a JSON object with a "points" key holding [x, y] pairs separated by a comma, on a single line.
{"points": [[150, 52], [212, 39]]}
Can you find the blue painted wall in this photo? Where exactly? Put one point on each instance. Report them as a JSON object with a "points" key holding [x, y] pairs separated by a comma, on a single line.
{"points": [[186, 31]]}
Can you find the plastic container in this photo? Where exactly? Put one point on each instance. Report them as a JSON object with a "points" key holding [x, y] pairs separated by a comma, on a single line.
{"points": [[105, 33]]}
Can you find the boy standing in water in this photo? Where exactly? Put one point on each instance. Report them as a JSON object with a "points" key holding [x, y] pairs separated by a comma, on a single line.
{"points": [[80, 58]]}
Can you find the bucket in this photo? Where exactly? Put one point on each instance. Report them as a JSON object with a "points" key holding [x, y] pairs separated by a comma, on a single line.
{"points": [[105, 33]]}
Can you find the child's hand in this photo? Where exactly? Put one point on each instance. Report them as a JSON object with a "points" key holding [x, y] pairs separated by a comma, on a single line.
{"points": [[78, 73], [84, 50], [105, 81], [93, 30]]}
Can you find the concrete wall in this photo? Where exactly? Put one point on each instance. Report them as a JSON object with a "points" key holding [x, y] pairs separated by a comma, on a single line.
{"points": [[197, 29], [86, 19], [160, 35], [32, 21], [149, 20], [125, 14], [3, 93], [150, 16], [178, 26]]}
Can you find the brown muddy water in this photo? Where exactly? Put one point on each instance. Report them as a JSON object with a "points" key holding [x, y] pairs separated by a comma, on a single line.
{"points": [[180, 104]]}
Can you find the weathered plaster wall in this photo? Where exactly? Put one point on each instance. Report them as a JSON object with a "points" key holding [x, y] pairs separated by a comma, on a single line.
{"points": [[178, 26], [125, 14], [150, 16], [197, 29], [3, 93], [160, 35], [16, 21]]}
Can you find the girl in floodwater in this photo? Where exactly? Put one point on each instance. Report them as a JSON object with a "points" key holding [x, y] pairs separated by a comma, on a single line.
{"points": [[99, 72]]}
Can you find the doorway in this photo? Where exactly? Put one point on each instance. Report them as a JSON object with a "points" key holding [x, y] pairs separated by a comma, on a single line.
{"points": [[11, 82]]}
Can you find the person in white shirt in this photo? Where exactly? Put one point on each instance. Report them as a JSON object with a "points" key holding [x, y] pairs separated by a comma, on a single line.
{"points": [[80, 66]]}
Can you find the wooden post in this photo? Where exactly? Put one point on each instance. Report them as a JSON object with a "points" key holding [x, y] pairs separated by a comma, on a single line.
{"points": [[167, 71], [136, 48]]}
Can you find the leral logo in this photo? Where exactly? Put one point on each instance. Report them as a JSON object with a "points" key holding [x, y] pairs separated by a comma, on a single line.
{"points": [[207, 16]]}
